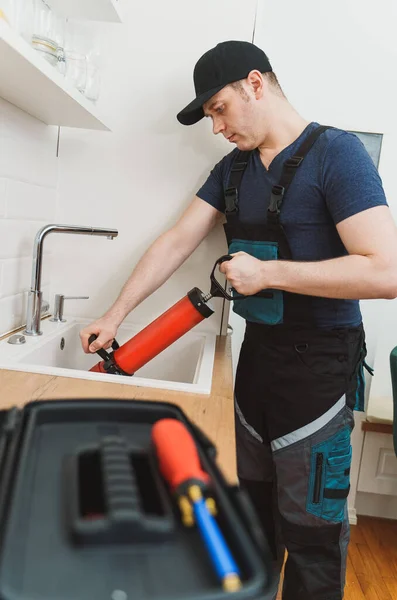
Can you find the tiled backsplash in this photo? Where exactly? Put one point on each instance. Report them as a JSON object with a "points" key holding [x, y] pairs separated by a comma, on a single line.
{"points": [[28, 200]]}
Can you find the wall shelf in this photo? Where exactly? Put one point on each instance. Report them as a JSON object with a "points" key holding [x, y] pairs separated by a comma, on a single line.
{"points": [[29, 82], [93, 10]]}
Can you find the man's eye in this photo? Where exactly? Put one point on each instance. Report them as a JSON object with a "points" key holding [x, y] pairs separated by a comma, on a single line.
{"points": [[220, 109]]}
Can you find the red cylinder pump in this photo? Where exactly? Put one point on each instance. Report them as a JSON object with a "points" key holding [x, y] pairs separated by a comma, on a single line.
{"points": [[158, 335], [163, 331]]}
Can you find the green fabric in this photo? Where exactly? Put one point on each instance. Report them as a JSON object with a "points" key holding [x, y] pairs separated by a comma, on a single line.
{"points": [[393, 370], [360, 391], [254, 309], [336, 454]]}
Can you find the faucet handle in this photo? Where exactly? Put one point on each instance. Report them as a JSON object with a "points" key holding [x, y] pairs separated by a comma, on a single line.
{"points": [[58, 306]]}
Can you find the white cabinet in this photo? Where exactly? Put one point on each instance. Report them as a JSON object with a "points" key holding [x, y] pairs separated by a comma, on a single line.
{"points": [[31, 83], [378, 472], [94, 10]]}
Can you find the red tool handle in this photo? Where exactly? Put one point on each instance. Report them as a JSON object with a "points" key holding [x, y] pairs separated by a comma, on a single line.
{"points": [[177, 453]]}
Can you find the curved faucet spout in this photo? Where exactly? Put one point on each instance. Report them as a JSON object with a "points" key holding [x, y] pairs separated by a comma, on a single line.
{"points": [[33, 314]]}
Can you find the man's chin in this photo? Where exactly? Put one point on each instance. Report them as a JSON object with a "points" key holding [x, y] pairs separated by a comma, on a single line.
{"points": [[244, 146]]}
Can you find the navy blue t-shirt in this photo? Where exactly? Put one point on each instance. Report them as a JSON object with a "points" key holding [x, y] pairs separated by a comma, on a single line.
{"points": [[336, 180]]}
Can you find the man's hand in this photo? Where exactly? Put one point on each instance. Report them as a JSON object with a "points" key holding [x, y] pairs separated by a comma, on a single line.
{"points": [[245, 273], [106, 330]]}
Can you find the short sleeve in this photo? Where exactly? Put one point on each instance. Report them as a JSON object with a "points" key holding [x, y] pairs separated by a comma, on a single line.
{"points": [[351, 181], [212, 190]]}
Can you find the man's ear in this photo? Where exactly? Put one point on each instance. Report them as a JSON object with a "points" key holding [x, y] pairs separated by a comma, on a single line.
{"points": [[256, 83]]}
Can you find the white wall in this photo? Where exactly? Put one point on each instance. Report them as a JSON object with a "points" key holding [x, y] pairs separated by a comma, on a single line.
{"points": [[336, 63], [141, 177], [28, 196]]}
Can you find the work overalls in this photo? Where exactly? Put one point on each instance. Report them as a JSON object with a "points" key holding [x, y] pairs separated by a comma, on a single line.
{"points": [[295, 391]]}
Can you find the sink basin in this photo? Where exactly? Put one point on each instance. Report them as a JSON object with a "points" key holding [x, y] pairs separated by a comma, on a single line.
{"points": [[186, 365]]}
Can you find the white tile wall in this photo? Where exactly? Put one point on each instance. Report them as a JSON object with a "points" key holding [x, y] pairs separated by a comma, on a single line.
{"points": [[2, 198], [28, 200], [140, 177]]}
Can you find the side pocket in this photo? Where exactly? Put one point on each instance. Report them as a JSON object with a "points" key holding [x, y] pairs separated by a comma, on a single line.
{"points": [[329, 481], [337, 487]]}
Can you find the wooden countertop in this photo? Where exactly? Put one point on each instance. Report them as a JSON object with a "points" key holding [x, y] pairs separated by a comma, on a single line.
{"points": [[212, 413]]}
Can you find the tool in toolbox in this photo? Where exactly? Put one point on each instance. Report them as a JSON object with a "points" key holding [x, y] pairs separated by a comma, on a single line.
{"points": [[166, 329], [180, 466], [85, 512]]}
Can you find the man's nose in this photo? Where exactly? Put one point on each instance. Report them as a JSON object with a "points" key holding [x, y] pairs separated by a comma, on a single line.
{"points": [[217, 125]]}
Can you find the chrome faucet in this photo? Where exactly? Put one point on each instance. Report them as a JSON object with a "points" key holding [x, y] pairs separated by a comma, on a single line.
{"points": [[33, 312], [59, 305]]}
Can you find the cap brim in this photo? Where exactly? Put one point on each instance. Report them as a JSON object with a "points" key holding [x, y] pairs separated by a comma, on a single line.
{"points": [[193, 112]]}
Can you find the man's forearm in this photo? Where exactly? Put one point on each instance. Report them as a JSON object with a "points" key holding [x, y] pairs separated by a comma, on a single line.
{"points": [[348, 277], [157, 264]]}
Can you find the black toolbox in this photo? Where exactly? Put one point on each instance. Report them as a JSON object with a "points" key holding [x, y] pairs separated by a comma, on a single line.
{"points": [[61, 537]]}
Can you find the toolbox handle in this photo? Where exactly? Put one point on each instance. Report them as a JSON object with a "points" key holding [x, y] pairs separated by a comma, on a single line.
{"points": [[110, 509]]}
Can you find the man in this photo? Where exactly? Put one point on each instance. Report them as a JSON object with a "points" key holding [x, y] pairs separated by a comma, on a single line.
{"points": [[311, 233]]}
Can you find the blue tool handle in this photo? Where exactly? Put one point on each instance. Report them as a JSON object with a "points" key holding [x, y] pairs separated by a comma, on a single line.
{"points": [[216, 545]]}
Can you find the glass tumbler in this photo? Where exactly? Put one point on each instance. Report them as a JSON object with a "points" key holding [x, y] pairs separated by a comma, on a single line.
{"points": [[76, 69], [92, 88]]}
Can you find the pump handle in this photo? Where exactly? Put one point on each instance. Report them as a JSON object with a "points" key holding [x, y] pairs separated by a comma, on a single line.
{"points": [[101, 352], [218, 291]]}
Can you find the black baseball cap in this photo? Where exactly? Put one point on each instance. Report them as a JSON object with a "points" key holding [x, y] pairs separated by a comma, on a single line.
{"points": [[226, 63]]}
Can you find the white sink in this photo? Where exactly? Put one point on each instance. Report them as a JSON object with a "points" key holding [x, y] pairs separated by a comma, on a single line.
{"points": [[186, 365]]}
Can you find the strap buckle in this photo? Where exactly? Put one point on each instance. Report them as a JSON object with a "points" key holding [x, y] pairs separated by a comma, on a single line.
{"points": [[276, 198], [293, 162], [231, 200]]}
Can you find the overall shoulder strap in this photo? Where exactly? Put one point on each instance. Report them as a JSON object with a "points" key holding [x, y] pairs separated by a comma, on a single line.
{"points": [[289, 169], [236, 175], [278, 191]]}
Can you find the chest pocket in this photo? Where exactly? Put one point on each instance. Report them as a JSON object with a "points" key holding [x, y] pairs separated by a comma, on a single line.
{"points": [[267, 308]]}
